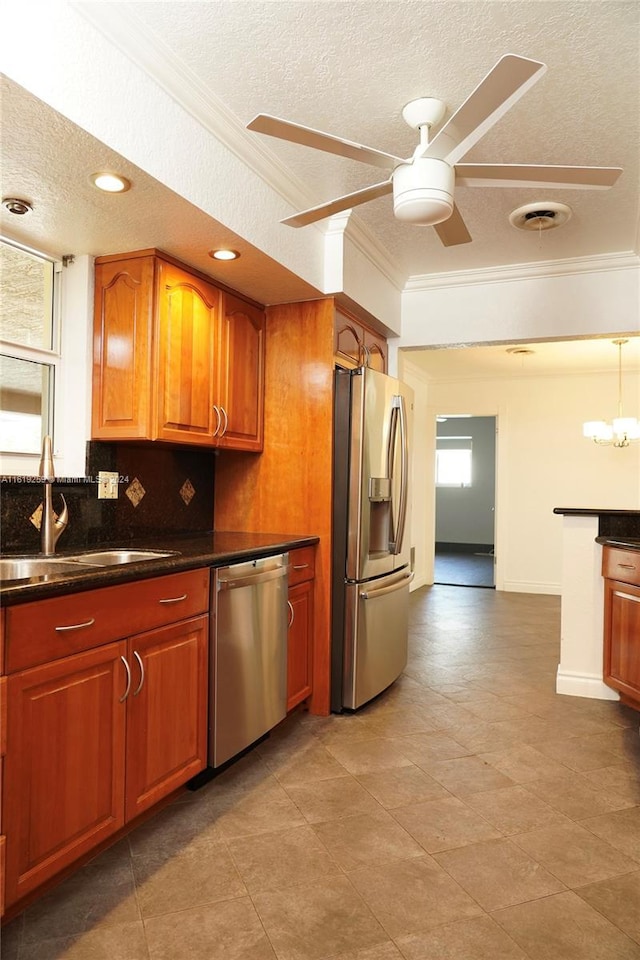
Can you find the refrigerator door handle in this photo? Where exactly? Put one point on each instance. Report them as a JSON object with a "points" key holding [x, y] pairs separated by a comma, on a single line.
{"points": [[382, 591], [398, 415]]}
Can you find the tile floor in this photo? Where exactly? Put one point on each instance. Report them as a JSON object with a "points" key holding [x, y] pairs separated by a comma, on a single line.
{"points": [[469, 813]]}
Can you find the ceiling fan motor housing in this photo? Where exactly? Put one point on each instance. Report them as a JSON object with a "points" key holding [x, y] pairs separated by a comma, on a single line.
{"points": [[423, 191]]}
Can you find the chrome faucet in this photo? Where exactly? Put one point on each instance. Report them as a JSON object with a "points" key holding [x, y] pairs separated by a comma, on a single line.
{"points": [[51, 527]]}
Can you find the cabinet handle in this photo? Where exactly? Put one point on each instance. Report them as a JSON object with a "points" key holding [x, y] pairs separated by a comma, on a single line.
{"points": [[627, 566], [76, 626], [300, 566], [293, 613], [141, 665], [174, 599], [226, 422], [128, 669], [218, 420]]}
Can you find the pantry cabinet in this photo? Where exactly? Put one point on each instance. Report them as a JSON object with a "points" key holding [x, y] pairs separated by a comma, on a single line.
{"points": [[175, 357], [621, 570], [107, 714]]}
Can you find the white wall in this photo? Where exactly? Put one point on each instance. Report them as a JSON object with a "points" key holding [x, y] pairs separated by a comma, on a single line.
{"points": [[585, 299], [542, 462], [422, 465]]}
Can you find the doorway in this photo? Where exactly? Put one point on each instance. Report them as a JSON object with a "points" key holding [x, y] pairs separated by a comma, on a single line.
{"points": [[465, 496]]}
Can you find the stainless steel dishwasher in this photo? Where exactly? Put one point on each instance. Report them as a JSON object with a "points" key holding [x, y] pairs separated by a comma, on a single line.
{"points": [[248, 681]]}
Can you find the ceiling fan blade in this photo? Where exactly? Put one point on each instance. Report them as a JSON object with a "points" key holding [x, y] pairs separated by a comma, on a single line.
{"points": [[296, 133], [503, 86], [339, 204], [534, 175], [454, 230]]}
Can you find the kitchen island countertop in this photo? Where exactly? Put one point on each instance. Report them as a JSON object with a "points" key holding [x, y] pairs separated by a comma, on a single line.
{"points": [[214, 549]]}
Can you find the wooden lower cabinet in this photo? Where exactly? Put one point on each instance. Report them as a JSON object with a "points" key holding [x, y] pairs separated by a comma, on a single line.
{"points": [[166, 712], [301, 626], [64, 762], [96, 738], [622, 623], [300, 651]]}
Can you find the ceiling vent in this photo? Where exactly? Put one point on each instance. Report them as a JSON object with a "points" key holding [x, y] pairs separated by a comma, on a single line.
{"points": [[544, 215]]}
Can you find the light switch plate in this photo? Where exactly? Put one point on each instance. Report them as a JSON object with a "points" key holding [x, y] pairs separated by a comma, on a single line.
{"points": [[107, 485]]}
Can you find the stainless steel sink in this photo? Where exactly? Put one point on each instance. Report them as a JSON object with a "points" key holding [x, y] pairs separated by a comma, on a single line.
{"points": [[24, 568], [107, 558]]}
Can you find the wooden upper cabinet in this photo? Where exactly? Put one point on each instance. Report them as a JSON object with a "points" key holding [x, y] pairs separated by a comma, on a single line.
{"points": [[188, 310], [241, 375], [355, 344], [122, 344], [175, 357]]}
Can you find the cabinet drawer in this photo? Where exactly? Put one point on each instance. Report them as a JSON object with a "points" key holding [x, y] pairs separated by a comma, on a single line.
{"points": [[49, 629], [619, 564], [301, 565]]}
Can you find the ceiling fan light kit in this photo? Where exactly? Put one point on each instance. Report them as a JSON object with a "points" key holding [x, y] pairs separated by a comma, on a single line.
{"points": [[423, 184], [423, 192]]}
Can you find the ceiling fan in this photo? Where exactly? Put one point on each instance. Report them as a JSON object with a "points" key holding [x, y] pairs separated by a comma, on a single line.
{"points": [[423, 184]]}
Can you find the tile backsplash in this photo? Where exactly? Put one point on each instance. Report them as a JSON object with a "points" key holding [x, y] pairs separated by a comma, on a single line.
{"points": [[161, 490]]}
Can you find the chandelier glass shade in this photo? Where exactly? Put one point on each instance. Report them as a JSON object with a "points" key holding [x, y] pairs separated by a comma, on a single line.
{"points": [[622, 430]]}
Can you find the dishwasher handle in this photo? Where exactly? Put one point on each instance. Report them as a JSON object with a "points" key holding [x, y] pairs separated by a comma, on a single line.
{"points": [[260, 576]]}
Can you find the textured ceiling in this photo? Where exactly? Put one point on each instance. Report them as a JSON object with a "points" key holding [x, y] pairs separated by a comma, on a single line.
{"points": [[542, 359], [349, 68]]}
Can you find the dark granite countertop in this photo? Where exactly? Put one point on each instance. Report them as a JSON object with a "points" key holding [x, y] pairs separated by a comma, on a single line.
{"points": [[626, 543], [594, 512], [188, 553]]}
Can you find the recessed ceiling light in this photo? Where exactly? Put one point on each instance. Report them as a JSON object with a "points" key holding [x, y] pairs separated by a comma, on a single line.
{"points": [[224, 254], [110, 182], [17, 206]]}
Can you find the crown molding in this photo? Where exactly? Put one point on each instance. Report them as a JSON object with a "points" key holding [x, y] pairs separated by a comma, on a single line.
{"points": [[526, 271], [125, 30]]}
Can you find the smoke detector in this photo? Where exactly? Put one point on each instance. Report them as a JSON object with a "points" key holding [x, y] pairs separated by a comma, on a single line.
{"points": [[544, 215]]}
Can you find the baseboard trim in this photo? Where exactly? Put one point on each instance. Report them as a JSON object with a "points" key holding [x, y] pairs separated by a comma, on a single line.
{"points": [[531, 586], [583, 685]]}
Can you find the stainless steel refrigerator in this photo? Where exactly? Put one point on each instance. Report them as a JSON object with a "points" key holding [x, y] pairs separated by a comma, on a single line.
{"points": [[371, 549]]}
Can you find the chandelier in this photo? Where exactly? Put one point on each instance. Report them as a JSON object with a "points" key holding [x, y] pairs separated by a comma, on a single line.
{"points": [[622, 430]]}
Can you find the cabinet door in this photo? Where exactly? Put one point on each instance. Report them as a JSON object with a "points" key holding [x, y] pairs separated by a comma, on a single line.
{"points": [[622, 639], [348, 341], [376, 351], [122, 341], [300, 641], [166, 711], [240, 394], [188, 309], [63, 783]]}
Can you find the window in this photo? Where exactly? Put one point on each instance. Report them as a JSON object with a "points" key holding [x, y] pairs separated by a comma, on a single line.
{"points": [[29, 347], [453, 461]]}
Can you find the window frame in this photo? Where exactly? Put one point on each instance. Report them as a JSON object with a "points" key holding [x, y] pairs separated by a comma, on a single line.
{"points": [[23, 463]]}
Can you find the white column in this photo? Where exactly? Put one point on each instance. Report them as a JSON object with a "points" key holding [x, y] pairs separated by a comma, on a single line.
{"points": [[582, 612]]}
